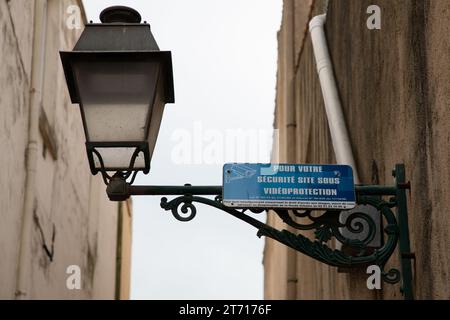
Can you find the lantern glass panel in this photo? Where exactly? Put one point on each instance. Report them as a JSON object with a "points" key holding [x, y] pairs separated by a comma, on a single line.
{"points": [[118, 158], [116, 98]]}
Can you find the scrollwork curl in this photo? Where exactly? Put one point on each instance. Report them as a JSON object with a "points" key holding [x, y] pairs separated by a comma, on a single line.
{"points": [[391, 276], [181, 204]]}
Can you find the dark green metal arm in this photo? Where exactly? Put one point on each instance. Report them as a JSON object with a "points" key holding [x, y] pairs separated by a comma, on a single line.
{"points": [[326, 224]]}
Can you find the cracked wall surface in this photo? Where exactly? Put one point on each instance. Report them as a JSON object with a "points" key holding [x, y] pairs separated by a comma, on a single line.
{"points": [[74, 220]]}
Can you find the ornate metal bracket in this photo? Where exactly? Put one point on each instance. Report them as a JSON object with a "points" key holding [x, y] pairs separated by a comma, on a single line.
{"points": [[327, 225]]}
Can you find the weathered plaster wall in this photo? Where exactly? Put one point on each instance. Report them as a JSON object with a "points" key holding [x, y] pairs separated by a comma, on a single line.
{"points": [[14, 86], [394, 85], [70, 204]]}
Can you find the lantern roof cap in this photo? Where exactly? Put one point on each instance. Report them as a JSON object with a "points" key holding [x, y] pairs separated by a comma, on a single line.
{"points": [[120, 14], [121, 36]]}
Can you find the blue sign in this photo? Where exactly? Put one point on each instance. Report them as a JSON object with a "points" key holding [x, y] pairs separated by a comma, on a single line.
{"points": [[306, 186]]}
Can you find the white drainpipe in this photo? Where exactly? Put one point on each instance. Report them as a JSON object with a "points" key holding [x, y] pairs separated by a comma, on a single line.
{"points": [[36, 85], [336, 122]]}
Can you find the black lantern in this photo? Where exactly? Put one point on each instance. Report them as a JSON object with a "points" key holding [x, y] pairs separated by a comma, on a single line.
{"points": [[121, 80]]}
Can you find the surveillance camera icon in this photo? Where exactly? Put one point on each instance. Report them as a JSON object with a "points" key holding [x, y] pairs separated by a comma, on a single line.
{"points": [[238, 172]]}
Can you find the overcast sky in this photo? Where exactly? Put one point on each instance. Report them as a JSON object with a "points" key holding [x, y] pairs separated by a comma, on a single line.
{"points": [[224, 58]]}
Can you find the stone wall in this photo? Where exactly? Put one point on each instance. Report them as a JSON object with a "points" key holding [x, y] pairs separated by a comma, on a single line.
{"points": [[395, 90]]}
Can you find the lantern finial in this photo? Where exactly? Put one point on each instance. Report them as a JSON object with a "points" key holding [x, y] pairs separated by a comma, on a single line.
{"points": [[120, 14]]}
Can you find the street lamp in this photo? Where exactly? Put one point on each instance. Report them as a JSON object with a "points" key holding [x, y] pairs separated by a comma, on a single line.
{"points": [[121, 80]]}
